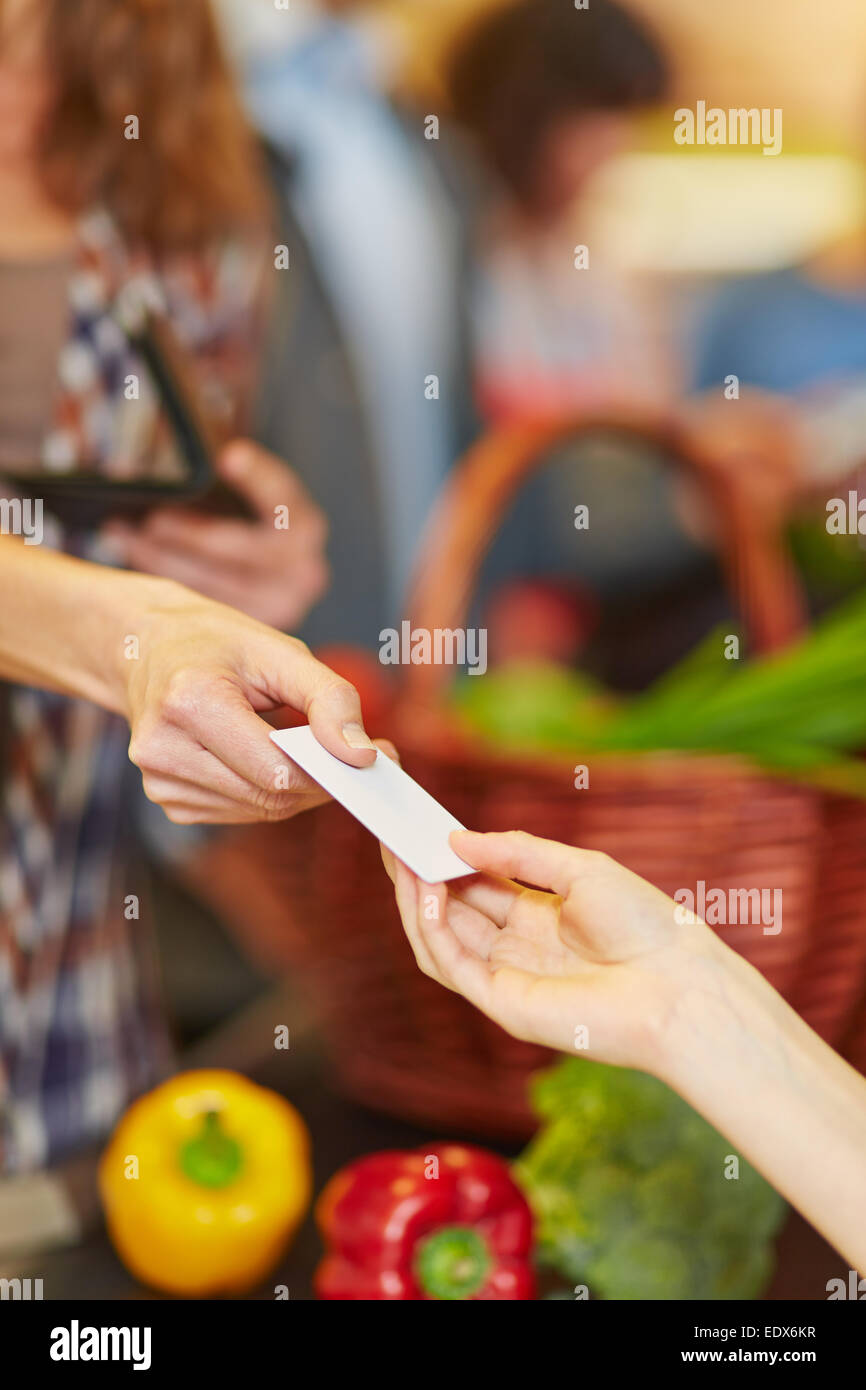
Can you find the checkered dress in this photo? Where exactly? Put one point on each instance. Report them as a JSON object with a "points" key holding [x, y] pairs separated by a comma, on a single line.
{"points": [[80, 1024]]}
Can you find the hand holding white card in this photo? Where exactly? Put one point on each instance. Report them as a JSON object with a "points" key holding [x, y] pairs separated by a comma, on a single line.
{"points": [[385, 799]]}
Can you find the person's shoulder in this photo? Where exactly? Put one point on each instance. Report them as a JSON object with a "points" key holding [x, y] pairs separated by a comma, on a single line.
{"points": [[734, 319], [751, 294], [749, 303]]}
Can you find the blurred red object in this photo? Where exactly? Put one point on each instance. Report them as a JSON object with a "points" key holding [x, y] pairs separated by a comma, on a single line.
{"points": [[366, 673], [446, 1222], [544, 620], [359, 666]]}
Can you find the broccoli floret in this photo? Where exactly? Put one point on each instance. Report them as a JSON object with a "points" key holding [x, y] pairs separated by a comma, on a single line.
{"points": [[643, 1265], [672, 1196], [747, 1276], [633, 1191]]}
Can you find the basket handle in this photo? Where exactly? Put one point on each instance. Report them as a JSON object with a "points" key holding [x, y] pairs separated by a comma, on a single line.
{"points": [[759, 571]]}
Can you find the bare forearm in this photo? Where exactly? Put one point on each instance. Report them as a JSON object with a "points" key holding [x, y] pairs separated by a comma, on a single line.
{"points": [[63, 622], [795, 1109]]}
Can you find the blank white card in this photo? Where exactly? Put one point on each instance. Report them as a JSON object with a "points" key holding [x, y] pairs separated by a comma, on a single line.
{"points": [[387, 801]]}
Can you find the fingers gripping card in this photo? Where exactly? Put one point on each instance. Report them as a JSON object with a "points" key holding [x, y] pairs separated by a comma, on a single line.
{"points": [[387, 801]]}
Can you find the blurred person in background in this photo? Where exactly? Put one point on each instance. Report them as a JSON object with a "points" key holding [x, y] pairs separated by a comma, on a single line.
{"points": [[797, 333], [548, 95], [460, 259], [181, 210], [383, 237], [790, 329]]}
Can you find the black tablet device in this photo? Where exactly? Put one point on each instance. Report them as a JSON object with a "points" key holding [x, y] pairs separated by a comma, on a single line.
{"points": [[86, 498]]}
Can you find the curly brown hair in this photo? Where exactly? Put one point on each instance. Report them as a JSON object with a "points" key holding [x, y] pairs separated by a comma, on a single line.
{"points": [[193, 174]]}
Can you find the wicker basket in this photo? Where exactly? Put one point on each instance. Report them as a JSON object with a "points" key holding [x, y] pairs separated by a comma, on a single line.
{"points": [[403, 1044]]}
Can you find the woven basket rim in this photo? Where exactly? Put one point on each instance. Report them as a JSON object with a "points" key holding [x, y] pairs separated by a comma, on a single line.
{"points": [[644, 766]]}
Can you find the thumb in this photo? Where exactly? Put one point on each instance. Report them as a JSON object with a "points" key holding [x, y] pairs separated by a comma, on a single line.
{"points": [[388, 749], [262, 478], [333, 707]]}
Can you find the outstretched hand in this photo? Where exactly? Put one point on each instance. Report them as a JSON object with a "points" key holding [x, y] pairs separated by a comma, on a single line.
{"points": [[591, 960]]}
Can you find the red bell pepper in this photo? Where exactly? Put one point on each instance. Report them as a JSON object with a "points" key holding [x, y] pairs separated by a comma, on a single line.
{"points": [[448, 1222]]}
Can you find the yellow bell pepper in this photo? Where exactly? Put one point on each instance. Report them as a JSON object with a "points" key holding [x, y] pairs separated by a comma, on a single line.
{"points": [[204, 1182]]}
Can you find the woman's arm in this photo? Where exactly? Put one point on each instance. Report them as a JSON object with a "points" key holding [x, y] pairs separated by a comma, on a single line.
{"points": [[63, 622], [607, 954], [190, 675], [742, 1057]]}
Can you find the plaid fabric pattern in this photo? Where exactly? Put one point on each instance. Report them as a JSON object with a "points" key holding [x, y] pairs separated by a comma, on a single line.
{"points": [[80, 1022]]}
